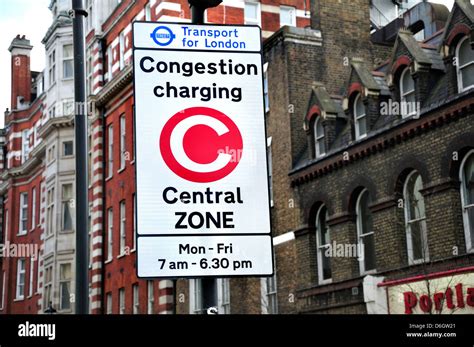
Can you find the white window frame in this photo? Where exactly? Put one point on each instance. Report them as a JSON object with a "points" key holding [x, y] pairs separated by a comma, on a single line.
{"points": [[25, 145], [150, 297], [110, 150], [459, 68], [321, 248], [30, 286], [20, 279], [48, 286], [33, 208], [52, 67], [23, 215], [68, 282], [122, 301], [65, 203], [223, 295], [2, 299], [136, 298], [123, 133], [123, 219], [68, 59], [464, 206], [7, 227], [358, 117], [360, 235], [318, 138], [148, 12], [268, 295], [292, 11], [270, 168], [405, 93], [253, 21], [90, 75], [64, 148], [110, 234], [265, 88], [108, 303], [122, 50], [50, 199], [134, 239], [110, 61], [195, 297], [409, 221]]}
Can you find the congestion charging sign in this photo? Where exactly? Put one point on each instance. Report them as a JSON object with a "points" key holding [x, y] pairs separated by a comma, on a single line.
{"points": [[201, 166]]}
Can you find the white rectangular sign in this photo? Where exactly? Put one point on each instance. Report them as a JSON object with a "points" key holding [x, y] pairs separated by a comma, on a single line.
{"points": [[201, 165]]}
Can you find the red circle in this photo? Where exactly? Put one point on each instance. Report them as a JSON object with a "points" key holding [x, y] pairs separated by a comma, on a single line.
{"points": [[202, 145]]}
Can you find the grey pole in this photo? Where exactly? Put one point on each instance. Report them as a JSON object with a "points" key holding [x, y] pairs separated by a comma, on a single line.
{"points": [[209, 285], [80, 129]]}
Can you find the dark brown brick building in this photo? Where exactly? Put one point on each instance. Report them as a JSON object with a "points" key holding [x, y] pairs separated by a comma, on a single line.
{"points": [[372, 144]]}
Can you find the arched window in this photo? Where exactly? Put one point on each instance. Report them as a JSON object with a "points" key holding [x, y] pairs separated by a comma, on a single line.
{"points": [[415, 219], [465, 65], [467, 196], [360, 118], [323, 241], [320, 147], [365, 233], [407, 94]]}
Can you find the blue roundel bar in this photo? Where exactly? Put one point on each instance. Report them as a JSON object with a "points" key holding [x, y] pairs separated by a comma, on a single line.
{"points": [[162, 35]]}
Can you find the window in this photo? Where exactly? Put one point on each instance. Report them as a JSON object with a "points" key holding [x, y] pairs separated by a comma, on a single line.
{"points": [[415, 219], [110, 233], [320, 146], [122, 228], [20, 279], [64, 286], [25, 145], [68, 61], [89, 159], [91, 251], [50, 211], [287, 16], [32, 267], [7, 228], [407, 94], [33, 208], [110, 58], [89, 21], [465, 65], [270, 168], [23, 214], [68, 148], [52, 67], [51, 153], [136, 302], [151, 297], [360, 118], [122, 301], [269, 295], [122, 50], [123, 152], [48, 282], [265, 87], [224, 295], [2, 299], [252, 15], [147, 12], [197, 306], [134, 221], [90, 76], [66, 206], [38, 269], [110, 151], [467, 196], [365, 232], [322, 243], [68, 107], [109, 303]]}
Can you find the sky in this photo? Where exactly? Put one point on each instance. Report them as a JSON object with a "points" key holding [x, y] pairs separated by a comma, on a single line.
{"points": [[32, 18]]}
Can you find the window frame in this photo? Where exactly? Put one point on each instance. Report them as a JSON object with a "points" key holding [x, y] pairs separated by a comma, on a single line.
{"points": [[466, 225], [33, 208], [135, 299], [223, 295], [252, 21], [65, 203], [110, 234], [459, 68], [123, 228], [122, 300], [64, 148], [409, 221], [66, 281], [292, 16], [52, 67], [108, 303], [357, 118], [150, 292], [23, 214], [318, 139], [404, 94], [68, 59], [110, 151], [25, 145], [319, 247], [50, 203], [20, 275], [360, 236], [123, 139], [122, 50]]}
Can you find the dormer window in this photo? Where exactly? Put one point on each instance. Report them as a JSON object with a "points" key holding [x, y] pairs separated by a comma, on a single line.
{"points": [[320, 146], [465, 65], [407, 94], [360, 118]]}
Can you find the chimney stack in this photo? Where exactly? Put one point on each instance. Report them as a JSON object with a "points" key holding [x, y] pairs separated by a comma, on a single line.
{"points": [[20, 49]]}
